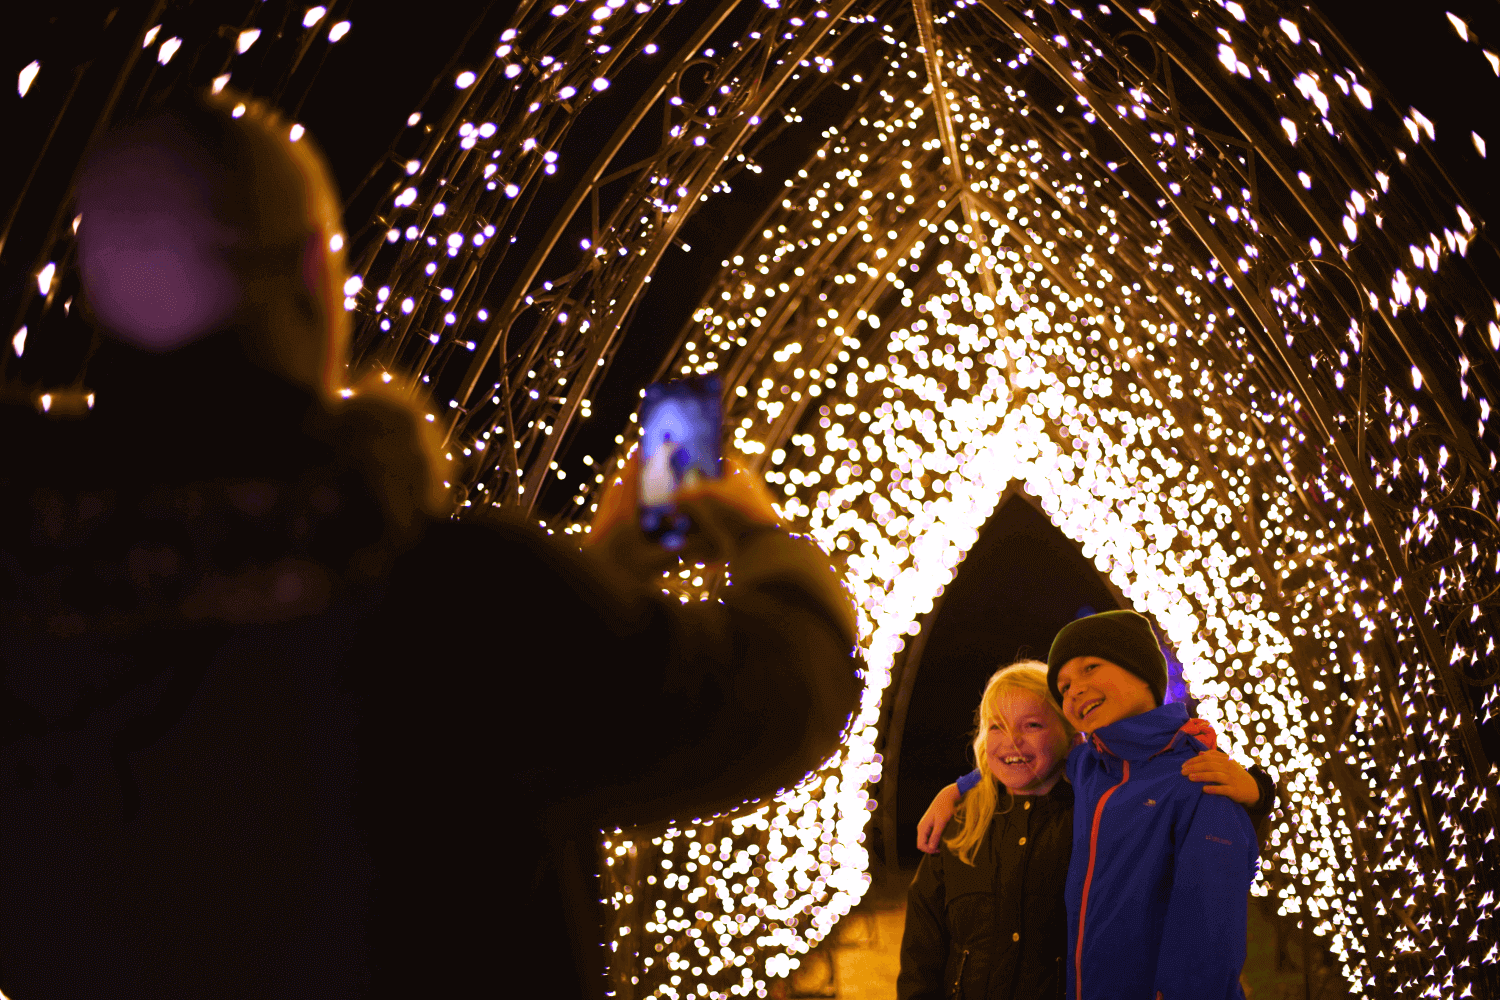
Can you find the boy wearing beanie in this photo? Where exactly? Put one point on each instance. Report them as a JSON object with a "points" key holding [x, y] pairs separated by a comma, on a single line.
{"points": [[1160, 874]]}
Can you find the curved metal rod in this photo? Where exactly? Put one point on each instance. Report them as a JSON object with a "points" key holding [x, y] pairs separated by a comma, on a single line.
{"points": [[927, 36], [15, 208], [506, 312], [708, 172], [1283, 171]]}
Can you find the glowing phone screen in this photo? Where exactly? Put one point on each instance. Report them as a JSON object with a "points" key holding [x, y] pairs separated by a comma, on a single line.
{"points": [[681, 430]]}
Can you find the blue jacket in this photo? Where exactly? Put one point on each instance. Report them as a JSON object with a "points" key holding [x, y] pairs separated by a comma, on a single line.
{"points": [[1160, 875]]}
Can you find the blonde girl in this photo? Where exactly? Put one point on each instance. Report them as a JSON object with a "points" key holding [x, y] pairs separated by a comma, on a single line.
{"points": [[985, 915]]}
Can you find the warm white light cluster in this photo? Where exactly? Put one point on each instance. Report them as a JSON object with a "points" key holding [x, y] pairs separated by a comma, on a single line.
{"points": [[949, 460], [731, 900], [996, 392]]}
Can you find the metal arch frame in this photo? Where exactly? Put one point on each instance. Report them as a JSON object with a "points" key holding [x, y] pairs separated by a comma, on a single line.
{"points": [[707, 175], [559, 126], [1271, 323], [794, 415], [707, 168], [1260, 144], [787, 305], [757, 85], [506, 312], [1361, 851], [931, 55], [1396, 554], [1361, 848], [1245, 523], [506, 212]]}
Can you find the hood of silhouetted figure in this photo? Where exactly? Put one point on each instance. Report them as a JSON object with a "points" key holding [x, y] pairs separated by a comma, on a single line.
{"points": [[151, 251]]}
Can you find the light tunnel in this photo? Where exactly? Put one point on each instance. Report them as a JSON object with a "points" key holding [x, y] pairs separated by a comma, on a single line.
{"points": [[1180, 272]]}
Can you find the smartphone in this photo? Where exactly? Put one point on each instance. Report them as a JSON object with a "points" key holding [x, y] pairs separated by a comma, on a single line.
{"points": [[681, 435]]}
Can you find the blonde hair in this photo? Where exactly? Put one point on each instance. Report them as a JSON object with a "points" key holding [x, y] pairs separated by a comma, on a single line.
{"points": [[978, 807]]}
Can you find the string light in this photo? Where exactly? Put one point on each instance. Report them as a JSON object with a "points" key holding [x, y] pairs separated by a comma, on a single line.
{"points": [[28, 76], [1033, 317]]}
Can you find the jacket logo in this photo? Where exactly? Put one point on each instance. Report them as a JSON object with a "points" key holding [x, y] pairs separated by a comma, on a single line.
{"points": [[1218, 840], [1150, 802]]}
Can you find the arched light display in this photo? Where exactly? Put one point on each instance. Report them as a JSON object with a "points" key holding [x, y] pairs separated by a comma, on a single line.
{"points": [[1183, 270], [1141, 271]]}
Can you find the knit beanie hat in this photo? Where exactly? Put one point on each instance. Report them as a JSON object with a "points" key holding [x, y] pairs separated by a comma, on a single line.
{"points": [[1124, 638]]}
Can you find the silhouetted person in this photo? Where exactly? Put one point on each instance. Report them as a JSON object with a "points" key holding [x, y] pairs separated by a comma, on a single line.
{"points": [[270, 724]]}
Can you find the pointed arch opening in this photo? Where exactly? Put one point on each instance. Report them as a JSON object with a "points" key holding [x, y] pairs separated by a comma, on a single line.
{"points": [[1022, 580]]}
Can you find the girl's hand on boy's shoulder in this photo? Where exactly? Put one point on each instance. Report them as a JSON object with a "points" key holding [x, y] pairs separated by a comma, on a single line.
{"points": [[935, 820], [1221, 774]]}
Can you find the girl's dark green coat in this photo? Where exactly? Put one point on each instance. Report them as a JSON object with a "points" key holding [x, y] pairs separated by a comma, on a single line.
{"points": [[996, 929]]}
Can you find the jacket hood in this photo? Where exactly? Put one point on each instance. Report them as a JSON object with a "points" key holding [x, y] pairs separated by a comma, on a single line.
{"points": [[132, 537], [1143, 736]]}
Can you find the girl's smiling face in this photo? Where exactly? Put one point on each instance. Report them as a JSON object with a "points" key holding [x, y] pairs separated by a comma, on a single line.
{"points": [[1027, 745], [1096, 692]]}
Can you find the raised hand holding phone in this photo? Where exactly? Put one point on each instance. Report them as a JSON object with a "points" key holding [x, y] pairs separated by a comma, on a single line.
{"points": [[724, 511], [711, 514]]}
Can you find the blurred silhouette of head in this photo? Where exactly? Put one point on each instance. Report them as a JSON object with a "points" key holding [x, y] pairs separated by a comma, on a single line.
{"points": [[212, 215]]}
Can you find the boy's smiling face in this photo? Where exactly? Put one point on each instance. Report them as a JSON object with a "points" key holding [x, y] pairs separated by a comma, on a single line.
{"points": [[1096, 692]]}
